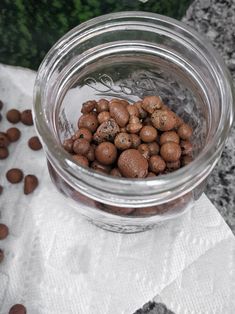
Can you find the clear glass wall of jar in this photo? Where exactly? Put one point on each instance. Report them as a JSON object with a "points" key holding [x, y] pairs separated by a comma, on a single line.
{"points": [[130, 55]]}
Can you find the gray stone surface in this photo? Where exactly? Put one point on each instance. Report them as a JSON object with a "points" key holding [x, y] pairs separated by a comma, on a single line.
{"points": [[215, 19]]}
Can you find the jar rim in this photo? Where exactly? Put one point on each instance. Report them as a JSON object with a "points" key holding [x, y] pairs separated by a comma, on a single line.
{"points": [[161, 187]]}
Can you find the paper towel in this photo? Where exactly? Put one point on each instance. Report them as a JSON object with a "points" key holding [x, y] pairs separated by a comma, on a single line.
{"points": [[57, 262]]}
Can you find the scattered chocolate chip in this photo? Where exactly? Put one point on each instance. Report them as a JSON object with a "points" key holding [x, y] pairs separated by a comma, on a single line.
{"points": [[30, 183], [13, 116], [34, 143], [0, 117], [26, 117], [14, 175], [3, 231], [1, 255], [1, 189], [13, 134], [18, 309], [1, 104], [4, 153], [4, 141]]}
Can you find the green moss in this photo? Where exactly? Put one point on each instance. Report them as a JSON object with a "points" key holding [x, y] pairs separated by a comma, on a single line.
{"points": [[29, 28]]}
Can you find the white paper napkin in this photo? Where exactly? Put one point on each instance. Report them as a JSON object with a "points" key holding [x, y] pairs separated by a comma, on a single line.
{"points": [[56, 262]]}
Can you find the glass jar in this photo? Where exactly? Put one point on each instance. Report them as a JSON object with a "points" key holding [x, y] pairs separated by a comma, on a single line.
{"points": [[130, 55]]}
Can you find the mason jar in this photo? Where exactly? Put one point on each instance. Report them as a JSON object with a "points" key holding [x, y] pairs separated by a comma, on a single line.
{"points": [[130, 55]]}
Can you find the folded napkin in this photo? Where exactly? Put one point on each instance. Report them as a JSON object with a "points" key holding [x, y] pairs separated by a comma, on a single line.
{"points": [[57, 262]]}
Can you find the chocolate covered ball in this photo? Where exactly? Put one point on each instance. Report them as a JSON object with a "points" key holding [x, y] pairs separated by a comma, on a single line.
{"points": [[4, 153], [82, 160], [14, 175], [132, 164], [123, 141], [102, 105], [151, 103], [169, 136], [4, 231], [119, 113], [88, 121], [83, 133], [26, 117], [34, 143], [88, 106], [106, 131], [91, 153], [13, 116], [185, 131], [163, 120], [17, 309], [4, 140], [135, 140], [103, 116], [106, 153], [68, 145], [13, 134], [153, 148], [81, 146], [157, 164], [148, 134], [170, 151], [144, 150], [133, 110], [30, 183]]}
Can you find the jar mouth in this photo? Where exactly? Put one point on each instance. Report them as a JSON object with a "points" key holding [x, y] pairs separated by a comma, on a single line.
{"points": [[123, 191]]}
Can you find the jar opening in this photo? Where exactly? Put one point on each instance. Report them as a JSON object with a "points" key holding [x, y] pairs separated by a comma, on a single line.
{"points": [[131, 55]]}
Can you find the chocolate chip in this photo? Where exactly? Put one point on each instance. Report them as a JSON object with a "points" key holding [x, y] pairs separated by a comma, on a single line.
{"points": [[30, 183], [18, 309], [4, 141], [3, 152], [1, 255], [1, 189], [0, 117], [34, 143], [13, 116], [26, 117], [14, 175], [3, 231], [13, 134]]}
